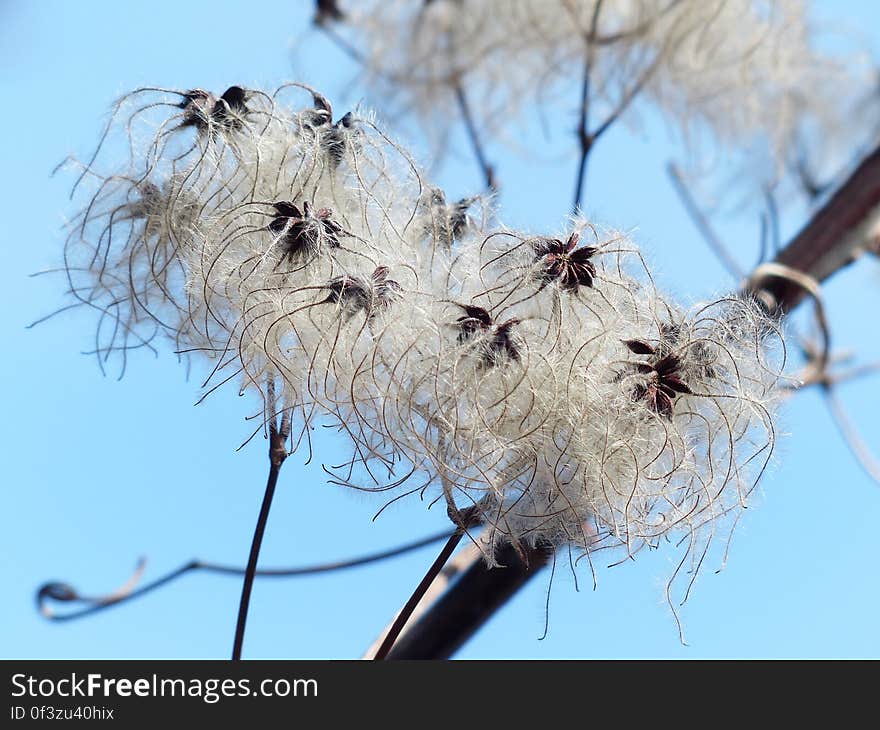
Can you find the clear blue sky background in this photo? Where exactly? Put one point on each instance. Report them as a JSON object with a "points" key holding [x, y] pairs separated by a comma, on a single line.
{"points": [[97, 472]]}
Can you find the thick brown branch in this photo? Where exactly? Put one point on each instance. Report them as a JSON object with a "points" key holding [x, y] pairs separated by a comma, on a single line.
{"points": [[833, 237], [469, 603]]}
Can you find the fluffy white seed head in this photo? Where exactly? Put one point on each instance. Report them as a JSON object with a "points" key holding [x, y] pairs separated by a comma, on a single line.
{"points": [[539, 378], [745, 70]]}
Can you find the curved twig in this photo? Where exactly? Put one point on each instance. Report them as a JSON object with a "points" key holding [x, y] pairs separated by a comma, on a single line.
{"points": [[63, 592]]}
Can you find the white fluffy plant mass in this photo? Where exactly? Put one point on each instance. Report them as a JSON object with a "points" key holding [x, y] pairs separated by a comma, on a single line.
{"points": [[541, 381], [744, 70]]}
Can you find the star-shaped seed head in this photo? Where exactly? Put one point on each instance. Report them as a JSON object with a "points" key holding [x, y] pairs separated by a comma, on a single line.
{"points": [[663, 382], [370, 295], [496, 341], [561, 262], [302, 233], [207, 113]]}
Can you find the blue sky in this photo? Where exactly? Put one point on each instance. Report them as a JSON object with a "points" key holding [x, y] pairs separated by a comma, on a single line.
{"points": [[98, 472]]}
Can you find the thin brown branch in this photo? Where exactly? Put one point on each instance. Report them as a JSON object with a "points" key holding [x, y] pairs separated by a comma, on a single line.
{"points": [[256, 543], [818, 373], [486, 168], [456, 565], [465, 519], [473, 134], [593, 40], [584, 137], [773, 220], [860, 451], [810, 185], [417, 594], [588, 139], [340, 42], [702, 224], [278, 433], [63, 592], [469, 603], [854, 373]]}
